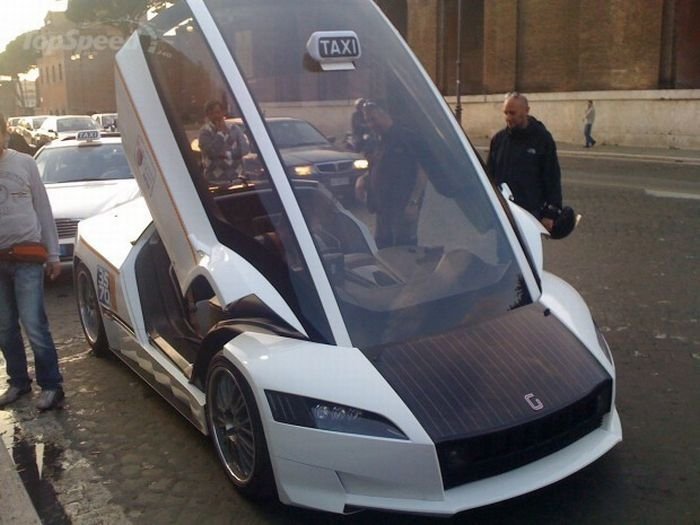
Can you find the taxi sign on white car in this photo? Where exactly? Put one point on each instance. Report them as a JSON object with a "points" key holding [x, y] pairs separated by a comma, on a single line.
{"points": [[88, 135], [334, 50]]}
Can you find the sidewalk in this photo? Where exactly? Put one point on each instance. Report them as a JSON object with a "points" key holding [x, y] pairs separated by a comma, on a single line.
{"points": [[661, 155], [15, 506]]}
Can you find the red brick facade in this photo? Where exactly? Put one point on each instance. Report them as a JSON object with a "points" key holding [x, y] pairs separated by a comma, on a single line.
{"points": [[524, 45], [555, 45]]}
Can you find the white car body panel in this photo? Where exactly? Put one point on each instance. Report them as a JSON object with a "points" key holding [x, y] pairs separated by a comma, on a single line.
{"points": [[569, 307], [140, 110], [106, 246], [530, 228], [322, 470], [308, 486], [277, 172], [79, 200], [112, 235]]}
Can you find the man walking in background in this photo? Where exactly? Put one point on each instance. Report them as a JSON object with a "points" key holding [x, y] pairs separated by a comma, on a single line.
{"points": [[589, 119]]}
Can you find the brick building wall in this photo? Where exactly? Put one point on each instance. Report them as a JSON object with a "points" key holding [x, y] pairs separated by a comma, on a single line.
{"points": [[685, 43], [472, 63], [500, 46], [74, 79], [558, 45], [53, 89]]}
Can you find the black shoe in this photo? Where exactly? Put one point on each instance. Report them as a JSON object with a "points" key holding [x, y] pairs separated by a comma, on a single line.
{"points": [[50, 399], [592, 143], [12, 394]]}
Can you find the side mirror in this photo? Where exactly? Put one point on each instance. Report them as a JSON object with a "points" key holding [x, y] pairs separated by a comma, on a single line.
{"points": [[531, 230]]}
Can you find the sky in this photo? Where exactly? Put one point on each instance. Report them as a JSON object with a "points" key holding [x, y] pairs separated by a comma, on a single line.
{"points": [[20, 16]]}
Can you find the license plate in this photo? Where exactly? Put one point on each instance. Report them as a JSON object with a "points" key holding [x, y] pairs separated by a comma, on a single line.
{"points": [[340, 181]]}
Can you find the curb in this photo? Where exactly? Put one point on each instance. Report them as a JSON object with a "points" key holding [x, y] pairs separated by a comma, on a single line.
{"points": [[568, 151], [15, 506]]}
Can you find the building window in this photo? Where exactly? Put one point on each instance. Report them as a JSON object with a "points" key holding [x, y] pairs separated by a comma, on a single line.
{"points": [[53, 74], [60, 72]]}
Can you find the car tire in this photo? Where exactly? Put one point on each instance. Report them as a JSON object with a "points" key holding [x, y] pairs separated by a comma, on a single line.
{"points": [[89, 312], [236, 430]]}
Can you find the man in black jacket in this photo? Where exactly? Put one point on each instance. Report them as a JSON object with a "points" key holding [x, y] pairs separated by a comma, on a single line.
{"points": [[394, 187], [524, 156]]}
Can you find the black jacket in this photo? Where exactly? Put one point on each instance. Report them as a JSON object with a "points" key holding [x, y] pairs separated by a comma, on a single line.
{"points": [[394, 170], [526, 159]]}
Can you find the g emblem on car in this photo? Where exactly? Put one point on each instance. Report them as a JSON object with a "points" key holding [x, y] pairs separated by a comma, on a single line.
{"points": [[535, 404]]}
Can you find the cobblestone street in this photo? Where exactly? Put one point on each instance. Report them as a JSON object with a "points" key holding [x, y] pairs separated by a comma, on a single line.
{"points": [[118, 453]]}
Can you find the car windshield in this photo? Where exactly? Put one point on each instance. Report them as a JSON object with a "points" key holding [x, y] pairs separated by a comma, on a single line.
{"points": [[108, 120], [422, 250], [37, 122], [426, 252], [75, 124], [99, 162], [295, 133]]}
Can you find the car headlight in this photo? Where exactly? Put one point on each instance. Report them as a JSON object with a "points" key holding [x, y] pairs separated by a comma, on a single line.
{"points": [[360, 164], [325, 415], [304, 171]]}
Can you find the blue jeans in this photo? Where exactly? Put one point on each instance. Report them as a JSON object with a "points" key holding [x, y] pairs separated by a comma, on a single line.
{"points": [[587, 134], [22, 300]]}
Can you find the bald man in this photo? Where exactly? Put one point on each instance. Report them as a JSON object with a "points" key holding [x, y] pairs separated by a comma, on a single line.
{"points": [[524, 155]]}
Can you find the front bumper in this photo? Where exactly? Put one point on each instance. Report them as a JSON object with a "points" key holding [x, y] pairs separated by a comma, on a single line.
{"points": [[340, 473]]}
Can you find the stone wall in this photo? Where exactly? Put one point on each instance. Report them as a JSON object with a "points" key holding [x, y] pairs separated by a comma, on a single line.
{"points": [[654, 118], [657, 118]]}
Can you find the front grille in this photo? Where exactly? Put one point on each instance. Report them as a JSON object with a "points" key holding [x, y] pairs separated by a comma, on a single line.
{"points": [[335, 167], [67, 228], [478, 457]]}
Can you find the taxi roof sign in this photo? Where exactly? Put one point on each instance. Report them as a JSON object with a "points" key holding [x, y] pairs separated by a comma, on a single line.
{"points": [[88, 135], [334, 50]]}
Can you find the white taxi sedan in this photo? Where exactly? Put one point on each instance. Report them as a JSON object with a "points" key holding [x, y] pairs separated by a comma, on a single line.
{"points": [[83, 177]]}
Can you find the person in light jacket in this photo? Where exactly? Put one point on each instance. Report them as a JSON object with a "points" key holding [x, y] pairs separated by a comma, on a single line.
{"points": [[26, 220], [589, 119]]}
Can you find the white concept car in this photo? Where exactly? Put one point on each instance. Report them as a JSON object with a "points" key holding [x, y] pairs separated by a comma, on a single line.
{"points": [[433, 373]]}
